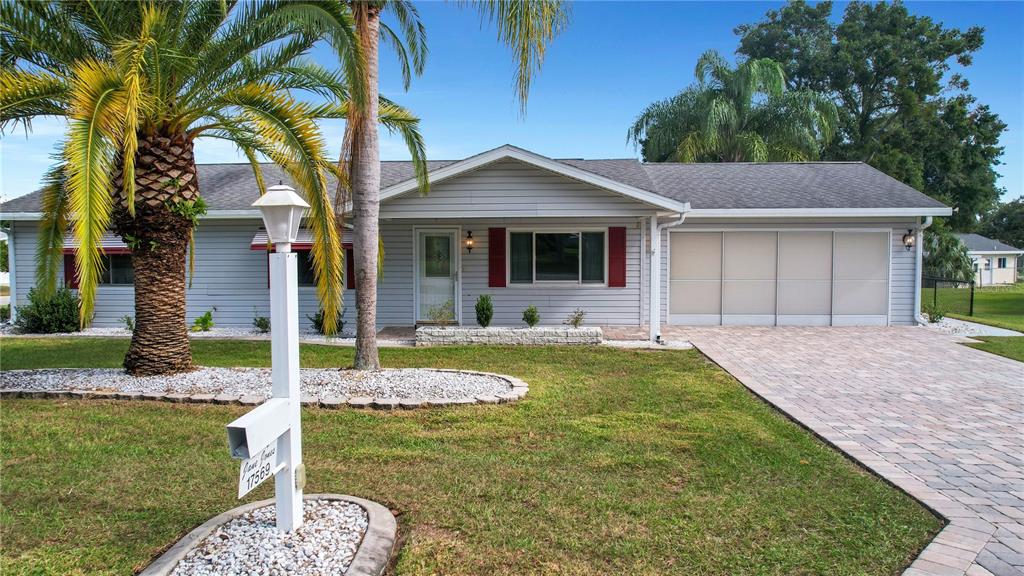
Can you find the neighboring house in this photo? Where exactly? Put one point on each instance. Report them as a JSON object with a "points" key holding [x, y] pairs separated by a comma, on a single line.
{"points": [[994, 261], [817, 243]]}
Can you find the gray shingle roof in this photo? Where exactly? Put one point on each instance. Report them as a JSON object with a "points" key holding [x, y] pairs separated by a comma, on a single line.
{"points": [[784, 185], [979, 243], [705, 186]]}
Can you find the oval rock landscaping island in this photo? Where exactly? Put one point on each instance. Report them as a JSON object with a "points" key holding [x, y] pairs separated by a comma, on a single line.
{"points": [[340, 535], [331, 388]]}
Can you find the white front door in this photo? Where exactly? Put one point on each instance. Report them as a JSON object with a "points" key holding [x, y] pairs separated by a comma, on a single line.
{"points": [[437, 276]]}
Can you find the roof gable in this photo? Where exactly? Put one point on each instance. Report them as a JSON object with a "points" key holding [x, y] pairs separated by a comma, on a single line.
{"points": [[979, 243], [568, 169]]}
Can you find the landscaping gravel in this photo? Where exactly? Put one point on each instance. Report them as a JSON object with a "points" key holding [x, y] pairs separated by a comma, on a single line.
{"points": [[399, 383], [325, 544]]}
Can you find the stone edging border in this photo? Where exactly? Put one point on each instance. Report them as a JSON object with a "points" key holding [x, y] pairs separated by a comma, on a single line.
{"points": [[518, 392], [370, 560]]}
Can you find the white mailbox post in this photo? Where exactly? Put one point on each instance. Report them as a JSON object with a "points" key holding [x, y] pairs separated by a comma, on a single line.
{"points": [[268, 439]]}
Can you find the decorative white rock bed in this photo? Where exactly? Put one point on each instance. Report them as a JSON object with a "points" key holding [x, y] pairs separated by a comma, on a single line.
{"points": [[341, 535], [326, 543], [330, 388], [540, 335]]}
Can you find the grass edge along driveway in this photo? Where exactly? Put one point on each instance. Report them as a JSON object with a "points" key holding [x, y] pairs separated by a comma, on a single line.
{"points": [[641, 462]]}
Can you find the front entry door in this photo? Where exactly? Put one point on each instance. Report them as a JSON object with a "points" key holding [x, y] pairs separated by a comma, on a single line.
{"points": [[437, 276]]}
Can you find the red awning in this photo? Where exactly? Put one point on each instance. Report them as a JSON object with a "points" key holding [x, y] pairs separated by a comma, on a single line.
{"points": [[109, 243]]}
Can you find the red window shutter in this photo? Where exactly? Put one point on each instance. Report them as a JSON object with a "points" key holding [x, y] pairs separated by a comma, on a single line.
{"points": [[617, 257], [496, 257], [70, 278], [350, 270]]}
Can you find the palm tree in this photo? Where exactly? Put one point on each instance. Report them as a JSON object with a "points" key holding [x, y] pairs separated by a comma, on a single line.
{"points": [[526, 26], [139, 82], [736, 114]]}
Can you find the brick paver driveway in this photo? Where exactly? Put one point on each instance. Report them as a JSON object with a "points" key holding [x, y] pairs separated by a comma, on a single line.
{"points": [[938, 419]]}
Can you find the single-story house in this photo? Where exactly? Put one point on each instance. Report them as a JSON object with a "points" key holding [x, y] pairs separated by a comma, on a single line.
{"points": [[995, 262], [809, 243]]}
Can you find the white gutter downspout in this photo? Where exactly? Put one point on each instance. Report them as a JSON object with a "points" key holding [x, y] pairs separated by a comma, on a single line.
{"points": [[655, 304], [11, 272], [919, 257]]}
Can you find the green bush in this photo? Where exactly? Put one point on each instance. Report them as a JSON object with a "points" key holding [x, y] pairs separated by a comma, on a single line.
{"points": [[531, 316], [261, 324], [484, 310], [203, 323], [49, 315], [934, 313], [5, 313], [318, 321], [575, 318], [442, 313]]}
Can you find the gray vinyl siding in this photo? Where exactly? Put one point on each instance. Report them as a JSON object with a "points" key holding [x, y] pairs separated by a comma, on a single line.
{"points": [[902, 262], [230, 278], [511, 189]]}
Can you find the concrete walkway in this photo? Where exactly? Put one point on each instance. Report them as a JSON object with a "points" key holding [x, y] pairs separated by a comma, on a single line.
{"points": [[942, 421]]}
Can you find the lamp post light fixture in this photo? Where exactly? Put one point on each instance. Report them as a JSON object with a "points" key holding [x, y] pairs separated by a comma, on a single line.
{"points": [[909, 239], [268, 439], [469, 242]]}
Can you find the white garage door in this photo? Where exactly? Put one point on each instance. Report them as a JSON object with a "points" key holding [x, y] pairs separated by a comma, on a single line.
{"points": [[786, 278]]}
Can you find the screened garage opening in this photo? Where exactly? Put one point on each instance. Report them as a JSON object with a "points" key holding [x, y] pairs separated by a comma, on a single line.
{"points": [[779, 278]]}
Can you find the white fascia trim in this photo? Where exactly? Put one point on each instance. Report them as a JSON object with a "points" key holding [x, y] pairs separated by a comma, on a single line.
{"points": [[817, 212], [995, 252], [508, 151]]}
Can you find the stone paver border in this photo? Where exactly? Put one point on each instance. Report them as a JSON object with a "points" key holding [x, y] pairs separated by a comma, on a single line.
{"points": [[517, 392], [371, 558]]}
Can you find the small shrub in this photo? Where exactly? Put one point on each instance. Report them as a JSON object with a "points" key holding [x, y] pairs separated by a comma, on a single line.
{"points": [[484, 310], [531, 316], [318, 321], [49, 315], [5, 313], [934, 313], [261, 324], [203, 323], [575, 318], [129, 322], [442, 313]]}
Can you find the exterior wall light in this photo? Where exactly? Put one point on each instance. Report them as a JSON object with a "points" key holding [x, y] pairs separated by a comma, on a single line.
{"points": [[469, 242], [909, 239]]}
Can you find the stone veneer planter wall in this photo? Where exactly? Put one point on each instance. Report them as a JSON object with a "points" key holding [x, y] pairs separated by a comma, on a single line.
{"points": [[541, 335]]}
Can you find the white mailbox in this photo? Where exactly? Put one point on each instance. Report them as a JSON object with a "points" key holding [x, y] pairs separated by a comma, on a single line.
{"points": [[250, 434]]}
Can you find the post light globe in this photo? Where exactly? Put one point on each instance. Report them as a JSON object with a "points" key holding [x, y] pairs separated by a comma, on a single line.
{"points": [[282, 211]]}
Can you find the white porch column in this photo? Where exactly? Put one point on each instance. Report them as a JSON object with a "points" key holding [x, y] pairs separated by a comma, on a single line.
{"points": [[655, 265]]}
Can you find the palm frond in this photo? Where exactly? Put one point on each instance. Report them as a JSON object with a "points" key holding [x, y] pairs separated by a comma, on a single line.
{"points": [[415, 37], [52, 227], [294, 142], [527, 27], [96, 123], [25, 95]]}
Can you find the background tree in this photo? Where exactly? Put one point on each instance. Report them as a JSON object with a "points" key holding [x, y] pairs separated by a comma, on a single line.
{"points": [[524, 25], [3, 256], [736, 114], [139, 82], [1005, 223], [945, 256], [886, 70]]}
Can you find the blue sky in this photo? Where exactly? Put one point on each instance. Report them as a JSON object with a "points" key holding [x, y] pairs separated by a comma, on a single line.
{"points": [[613, 60]]}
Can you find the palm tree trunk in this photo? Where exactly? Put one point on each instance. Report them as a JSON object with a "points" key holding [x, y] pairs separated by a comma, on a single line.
{"points": [[165, 173], [365, 185]]}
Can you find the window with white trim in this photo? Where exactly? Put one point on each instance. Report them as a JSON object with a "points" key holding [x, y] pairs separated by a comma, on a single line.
{"points": [[1002, 262], [577, 256]]}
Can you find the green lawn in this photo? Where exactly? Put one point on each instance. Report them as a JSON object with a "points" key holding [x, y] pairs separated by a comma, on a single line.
{"points": [[618, 461], [1001, 306], [1009, 346]]}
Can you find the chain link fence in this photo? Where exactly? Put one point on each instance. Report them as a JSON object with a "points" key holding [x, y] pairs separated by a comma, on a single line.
{"points": [[948, 295]]}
